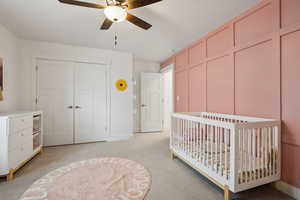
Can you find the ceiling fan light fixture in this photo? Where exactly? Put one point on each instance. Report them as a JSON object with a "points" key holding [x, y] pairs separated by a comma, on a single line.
{"points": [[115, 13]]}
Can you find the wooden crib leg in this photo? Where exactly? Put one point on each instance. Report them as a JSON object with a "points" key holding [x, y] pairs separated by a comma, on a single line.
{"points": [[173, 156], [226, 193], [10, 176]]}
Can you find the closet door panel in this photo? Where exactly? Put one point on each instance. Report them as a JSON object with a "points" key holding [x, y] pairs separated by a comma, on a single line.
{"points": [[90, 103], [55, 85]]}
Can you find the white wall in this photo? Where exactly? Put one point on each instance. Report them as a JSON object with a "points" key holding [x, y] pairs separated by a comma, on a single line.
{"points": [[121, 67], [10, 55], [141, 66], [19, 90]]}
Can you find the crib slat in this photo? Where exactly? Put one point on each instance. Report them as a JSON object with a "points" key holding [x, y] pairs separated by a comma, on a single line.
{"points": [[274, 151], [193, 139], [270, 150], [218, 150], [226, 155], [221, 152], [264, 151], [211, 148], [202, 131], [189, 137], [205, 142], [253, 153], [183, 135], [199, 142]]}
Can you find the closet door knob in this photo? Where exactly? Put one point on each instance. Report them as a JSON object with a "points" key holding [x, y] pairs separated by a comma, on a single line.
{"points": [[70, 107], [77, 107]]}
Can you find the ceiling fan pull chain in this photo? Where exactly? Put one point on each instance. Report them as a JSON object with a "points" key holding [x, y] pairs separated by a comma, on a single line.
{"points": [[116, 40]]}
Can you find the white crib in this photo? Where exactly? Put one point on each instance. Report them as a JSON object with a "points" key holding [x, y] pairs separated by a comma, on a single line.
{"points": [[235, 152]]}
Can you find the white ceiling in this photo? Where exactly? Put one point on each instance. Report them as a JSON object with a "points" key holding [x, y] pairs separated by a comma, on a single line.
{"points": [[176, 23]]}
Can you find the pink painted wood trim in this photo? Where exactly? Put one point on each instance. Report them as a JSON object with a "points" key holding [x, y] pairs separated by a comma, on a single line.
{"points": [[167, 62]]}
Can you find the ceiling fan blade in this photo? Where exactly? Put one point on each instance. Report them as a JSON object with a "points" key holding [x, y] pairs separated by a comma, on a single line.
{"points": [[138, 22], [84, 4], [106, 24], [140, 3]]}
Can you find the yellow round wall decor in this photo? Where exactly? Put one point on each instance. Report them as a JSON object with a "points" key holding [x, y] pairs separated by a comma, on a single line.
{"points": [[121, 85]]}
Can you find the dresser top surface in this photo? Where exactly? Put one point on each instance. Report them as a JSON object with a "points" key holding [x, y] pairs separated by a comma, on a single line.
{"points": [[19, 113]]}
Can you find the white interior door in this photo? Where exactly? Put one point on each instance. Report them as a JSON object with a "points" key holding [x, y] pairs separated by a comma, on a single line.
{"points": [[151, 102], [55, 92], [90, 103]]}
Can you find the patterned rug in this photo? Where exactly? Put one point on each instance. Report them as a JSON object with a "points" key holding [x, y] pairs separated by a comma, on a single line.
{"points": [[96, 179]]}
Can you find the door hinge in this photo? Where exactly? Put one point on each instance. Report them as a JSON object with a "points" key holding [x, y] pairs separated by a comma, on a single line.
{"points": [[36, 68]]}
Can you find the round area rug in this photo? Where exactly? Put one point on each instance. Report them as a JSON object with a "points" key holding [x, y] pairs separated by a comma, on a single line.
{"points": [[96, 179]]}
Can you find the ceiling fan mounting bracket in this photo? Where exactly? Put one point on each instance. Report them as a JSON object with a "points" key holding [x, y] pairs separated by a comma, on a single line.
{"points": [[120, 3]]}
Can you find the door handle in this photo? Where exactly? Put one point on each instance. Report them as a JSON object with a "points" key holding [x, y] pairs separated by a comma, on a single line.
{"points": [[78, 107], [143, 105], [70, 107]]}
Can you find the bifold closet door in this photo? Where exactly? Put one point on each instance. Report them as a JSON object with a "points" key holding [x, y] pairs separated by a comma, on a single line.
{"points": [[91, 107], [55, 95]]}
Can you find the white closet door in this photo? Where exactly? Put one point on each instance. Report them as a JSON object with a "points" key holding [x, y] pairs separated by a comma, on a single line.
{"points": [[90, 103], [55, 92]]}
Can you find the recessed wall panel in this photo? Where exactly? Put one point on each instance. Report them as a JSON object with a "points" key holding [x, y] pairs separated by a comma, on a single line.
{"points": [[220, 86], [255, 25], [290, 10], [197, 86], [257, 82], [291, 164], [197, 53], [181, 60], [219, 43], [290, 87], [181, 91]]}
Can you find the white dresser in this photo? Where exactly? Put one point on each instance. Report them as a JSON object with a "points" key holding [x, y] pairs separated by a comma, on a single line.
{"points": [[20, 139]]}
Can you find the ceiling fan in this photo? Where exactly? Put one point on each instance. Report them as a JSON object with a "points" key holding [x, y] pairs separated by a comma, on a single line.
{"points": [[117, 11]]}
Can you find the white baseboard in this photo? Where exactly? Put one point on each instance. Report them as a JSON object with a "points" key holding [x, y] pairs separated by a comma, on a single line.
{"points": [[288, 189]]}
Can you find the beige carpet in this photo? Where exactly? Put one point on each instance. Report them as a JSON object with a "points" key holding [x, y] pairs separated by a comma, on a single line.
{"points": [[172, 180]]}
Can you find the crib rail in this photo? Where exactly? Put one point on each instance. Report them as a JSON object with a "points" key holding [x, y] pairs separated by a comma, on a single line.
{"points": [[230, 149], [258, 154]]}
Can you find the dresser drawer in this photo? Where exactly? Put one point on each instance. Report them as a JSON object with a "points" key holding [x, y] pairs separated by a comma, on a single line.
{"points": [[14, 158], [20, 123], [19, 154], [17, 139]]}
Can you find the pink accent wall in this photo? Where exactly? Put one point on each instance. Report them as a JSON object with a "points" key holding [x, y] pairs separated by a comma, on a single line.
{"points": [[248, 66]]}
